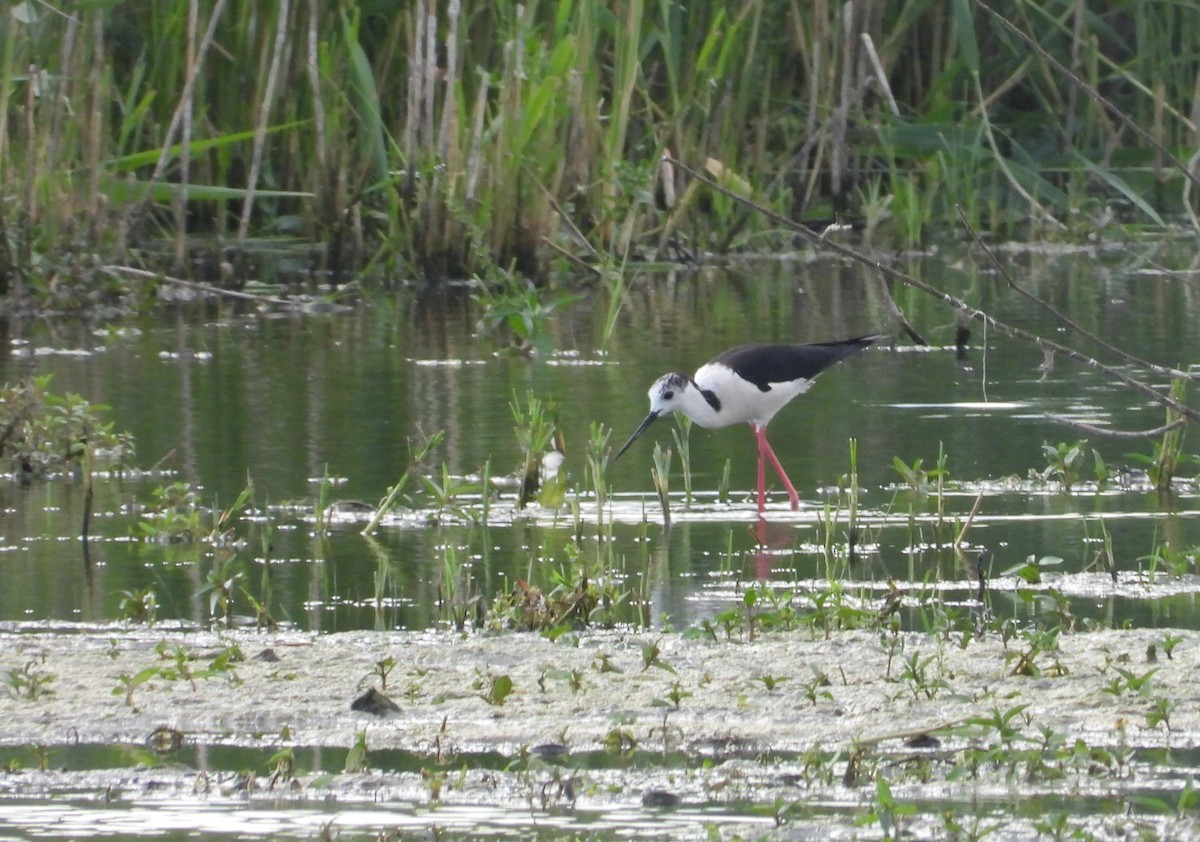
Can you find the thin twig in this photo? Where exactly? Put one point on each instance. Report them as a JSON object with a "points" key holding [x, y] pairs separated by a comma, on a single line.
{"points": [[962, 533], [196, 285], [897, 313], [1092, 429], [1063, 317]]}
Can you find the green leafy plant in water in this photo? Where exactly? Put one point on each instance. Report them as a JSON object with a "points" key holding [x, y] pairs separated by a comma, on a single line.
{"points": [[620, 742], [1031, 569], [1128, 681], [221, 586], [1064, 463], [918, 479], [139, 606], [516, 307], [356, 757], [535, 426], [724, 482], [28, 681], [1160, 712], [886, 811], [446, 490], [180, 664], [660, 475], [1040, 645], [1183, 807], [597, 462], [458, 599], [817, 687], [770, 682], [674, 697], [578, 595], [652, 657], [916, 674], [382, 669], [127, 683], [495, 688], [174, 514], [417, 454], [282, 766], [833, 609], [43, 431], [682, 434], [1168, 643]]}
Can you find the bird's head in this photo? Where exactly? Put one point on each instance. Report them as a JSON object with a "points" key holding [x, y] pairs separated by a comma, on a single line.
{"points": [[666, 395]]}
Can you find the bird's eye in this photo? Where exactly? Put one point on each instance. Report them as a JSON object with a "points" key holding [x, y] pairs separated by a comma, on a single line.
{"points": [[668, 395]]}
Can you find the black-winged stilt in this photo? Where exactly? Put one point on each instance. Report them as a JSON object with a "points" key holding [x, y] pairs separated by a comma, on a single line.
{"points": [[747, 384]]}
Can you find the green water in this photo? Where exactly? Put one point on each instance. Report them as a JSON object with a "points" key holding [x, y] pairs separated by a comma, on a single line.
{"points": [[216, 394]]}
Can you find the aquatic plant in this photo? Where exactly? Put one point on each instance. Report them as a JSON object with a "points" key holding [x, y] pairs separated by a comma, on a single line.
{"points": [[886, 810], [28, 681], [418, 452], [660, 475], [652, 657], [458, 598], [1167, 457], [817, 687], [382, 669], [139, 606], [127, 683], [495, 689], [221, 586], [519, 311], [535, 423], [47, 434], [1063, 463], [681, 432], [917, 675], [1160, 712]]}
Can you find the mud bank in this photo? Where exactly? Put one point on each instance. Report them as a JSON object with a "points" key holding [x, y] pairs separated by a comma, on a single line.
{"points": [[733, 702], [576, 691]]}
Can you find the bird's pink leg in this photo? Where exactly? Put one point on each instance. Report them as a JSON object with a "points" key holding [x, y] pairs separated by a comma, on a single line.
{"points": [[762, 476], [764, 447]]}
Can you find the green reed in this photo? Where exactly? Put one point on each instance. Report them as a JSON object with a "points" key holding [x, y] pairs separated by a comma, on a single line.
{"points": [[466, 137]]}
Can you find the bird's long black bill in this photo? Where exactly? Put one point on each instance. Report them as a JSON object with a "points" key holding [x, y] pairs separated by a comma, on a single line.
{"points": [[641, 429]]}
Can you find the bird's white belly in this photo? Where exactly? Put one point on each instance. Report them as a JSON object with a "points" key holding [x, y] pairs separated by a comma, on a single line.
{"points": [[741, 401]]}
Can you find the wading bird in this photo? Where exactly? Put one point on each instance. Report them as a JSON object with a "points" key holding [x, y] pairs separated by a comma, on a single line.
{"points": [[747, 384]]}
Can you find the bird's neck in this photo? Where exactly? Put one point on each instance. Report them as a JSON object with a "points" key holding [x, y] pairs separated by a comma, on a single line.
{"points": [[702, 407]]}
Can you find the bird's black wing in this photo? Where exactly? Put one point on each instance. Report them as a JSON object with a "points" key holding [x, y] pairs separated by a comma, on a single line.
{"points": [[764, 364]]}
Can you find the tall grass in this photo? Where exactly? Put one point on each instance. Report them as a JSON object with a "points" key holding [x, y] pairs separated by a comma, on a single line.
{"points": [[453, 137]]}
